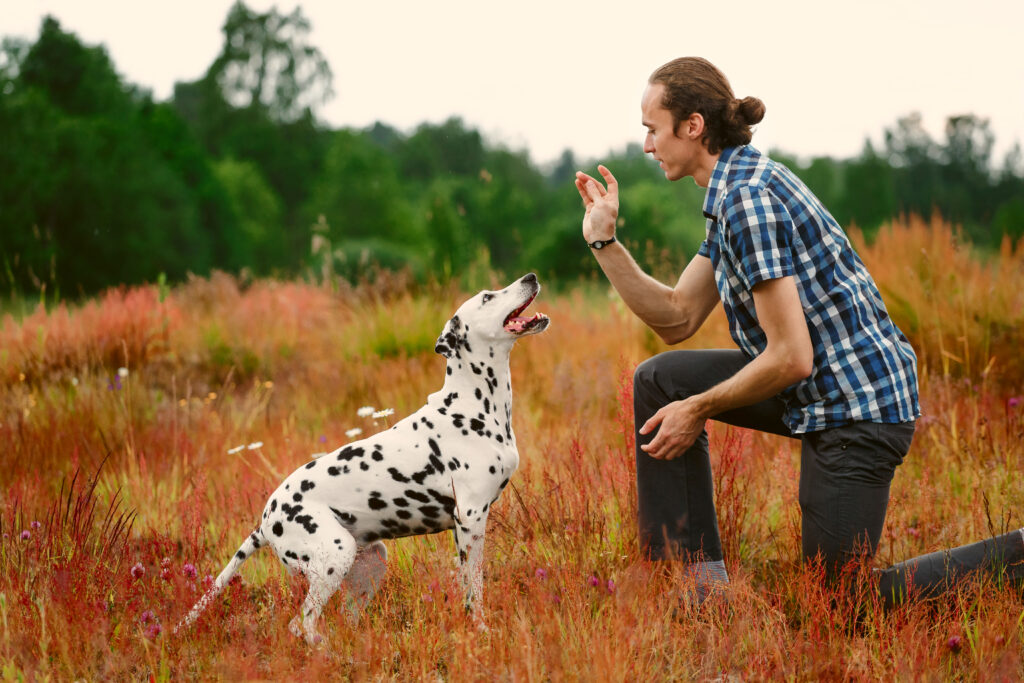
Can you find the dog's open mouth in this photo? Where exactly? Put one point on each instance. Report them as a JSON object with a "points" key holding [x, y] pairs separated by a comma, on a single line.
{"points": [[517, 324]]}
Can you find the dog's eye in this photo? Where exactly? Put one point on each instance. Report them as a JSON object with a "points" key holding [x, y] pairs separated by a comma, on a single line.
{"points": [[486, 298]]}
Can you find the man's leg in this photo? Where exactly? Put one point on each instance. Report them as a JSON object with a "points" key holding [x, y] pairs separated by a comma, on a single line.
{"points": [[932, 574], [845, 475], [676, 509]]}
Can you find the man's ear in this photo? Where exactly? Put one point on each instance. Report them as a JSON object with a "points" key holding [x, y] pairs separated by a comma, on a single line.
{"points": [[451, 338], [694, 126]]}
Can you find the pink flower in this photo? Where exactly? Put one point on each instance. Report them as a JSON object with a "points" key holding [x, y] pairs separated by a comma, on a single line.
{"points": [[153, 630], [189, 570], [541, 573], [165, 573], [36, 525], [955, 643], [147, 616], [594, 581], [138, 571], [610, 586], [25, 535], [1014, 402]]}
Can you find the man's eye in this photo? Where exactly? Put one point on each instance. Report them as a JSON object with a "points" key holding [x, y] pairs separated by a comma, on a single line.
{"points": [[486, 298]]}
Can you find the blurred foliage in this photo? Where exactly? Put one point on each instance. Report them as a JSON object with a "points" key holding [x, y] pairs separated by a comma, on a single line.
{"points": [[105, 186]]}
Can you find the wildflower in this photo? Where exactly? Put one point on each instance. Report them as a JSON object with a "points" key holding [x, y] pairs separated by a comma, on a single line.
{"points": [[610, 586], [166, 562], [74, 381], [323, 438], [254, 445], [236, 449], [594, 581], [25, 535], [365, 411], [165, 574], [153, 630], [189, 570], [541, 573], [122, 372], [208, 581], [354, 432], [138, 571], [1014, 401], [383, 413], [147, 616], [36, 524], [955, 643]]}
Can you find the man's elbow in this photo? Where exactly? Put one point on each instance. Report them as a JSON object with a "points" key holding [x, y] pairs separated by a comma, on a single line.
{"points": [[799, 366], [674, 335]]}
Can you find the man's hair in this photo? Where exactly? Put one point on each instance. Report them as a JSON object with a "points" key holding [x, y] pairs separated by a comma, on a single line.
{"points": [[695, 86]]}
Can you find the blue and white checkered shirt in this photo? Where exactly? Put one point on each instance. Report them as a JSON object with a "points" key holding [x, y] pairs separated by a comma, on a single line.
{"points": [[763, 223]]}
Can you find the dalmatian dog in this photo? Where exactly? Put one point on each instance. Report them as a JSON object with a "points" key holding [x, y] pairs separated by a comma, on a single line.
{"points": [[440, 468]]}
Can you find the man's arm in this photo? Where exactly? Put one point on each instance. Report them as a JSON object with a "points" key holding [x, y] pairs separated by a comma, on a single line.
{"points": [[673, 313], [787, 359]]}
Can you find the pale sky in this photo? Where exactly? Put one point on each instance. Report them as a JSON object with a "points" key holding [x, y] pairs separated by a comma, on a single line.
{"points": [[550, 75]]}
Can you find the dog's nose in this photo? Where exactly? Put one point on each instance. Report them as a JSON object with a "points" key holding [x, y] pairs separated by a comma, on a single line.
{"points": [[529, 277]]}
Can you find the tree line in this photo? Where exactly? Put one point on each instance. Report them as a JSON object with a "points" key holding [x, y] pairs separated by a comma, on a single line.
{"points": [[104, 185]]}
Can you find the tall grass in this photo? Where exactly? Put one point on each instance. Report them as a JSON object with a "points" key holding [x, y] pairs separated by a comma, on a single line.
{"points": [[144, 430]]}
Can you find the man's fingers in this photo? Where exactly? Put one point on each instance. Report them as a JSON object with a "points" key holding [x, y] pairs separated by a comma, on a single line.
{"points": [[655, 420]]}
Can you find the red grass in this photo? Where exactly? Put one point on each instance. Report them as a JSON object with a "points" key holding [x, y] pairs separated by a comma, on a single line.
{"points": [[217, 365]]}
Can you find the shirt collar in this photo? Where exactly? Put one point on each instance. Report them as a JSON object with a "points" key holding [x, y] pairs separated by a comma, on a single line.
{"points": [[713, 196]]}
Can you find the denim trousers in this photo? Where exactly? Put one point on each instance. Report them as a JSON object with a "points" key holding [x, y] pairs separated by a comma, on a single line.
{"points": [[845, 474]]}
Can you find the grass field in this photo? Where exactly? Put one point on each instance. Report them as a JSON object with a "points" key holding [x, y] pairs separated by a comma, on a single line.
{"points": [[144, 430]]}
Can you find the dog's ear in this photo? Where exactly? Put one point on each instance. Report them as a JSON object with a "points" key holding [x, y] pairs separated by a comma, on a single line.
{"points": [[451, 338]]}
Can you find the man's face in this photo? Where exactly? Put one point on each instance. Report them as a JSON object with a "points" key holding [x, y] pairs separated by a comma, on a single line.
{"points": [[677, 154]]}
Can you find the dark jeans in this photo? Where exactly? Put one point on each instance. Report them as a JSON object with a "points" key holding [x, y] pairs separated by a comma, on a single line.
{"points": [[845, 475]]}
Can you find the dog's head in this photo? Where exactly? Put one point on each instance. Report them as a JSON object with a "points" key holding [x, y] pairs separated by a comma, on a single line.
{"points": [[491, 317]]}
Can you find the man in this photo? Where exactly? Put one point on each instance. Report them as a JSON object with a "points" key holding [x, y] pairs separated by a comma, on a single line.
{"points": [[819, 358]]}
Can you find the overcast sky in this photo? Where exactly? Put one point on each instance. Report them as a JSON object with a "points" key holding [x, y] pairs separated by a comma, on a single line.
{"points": [[550, 75]]}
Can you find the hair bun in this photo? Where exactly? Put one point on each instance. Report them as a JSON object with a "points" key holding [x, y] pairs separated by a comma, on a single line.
{"points": [[750, 110]]}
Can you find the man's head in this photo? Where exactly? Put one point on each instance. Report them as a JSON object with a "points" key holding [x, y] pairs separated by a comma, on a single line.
{"points": [[695, 99]]}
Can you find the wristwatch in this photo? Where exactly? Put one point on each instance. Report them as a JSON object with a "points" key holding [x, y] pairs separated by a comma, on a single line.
{"points": [[601, 244]]}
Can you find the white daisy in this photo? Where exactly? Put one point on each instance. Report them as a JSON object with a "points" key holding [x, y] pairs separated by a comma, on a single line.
{"points": [[365, 411]]}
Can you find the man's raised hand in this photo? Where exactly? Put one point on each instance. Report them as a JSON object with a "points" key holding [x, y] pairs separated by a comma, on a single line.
{"points": [[601, 204]]}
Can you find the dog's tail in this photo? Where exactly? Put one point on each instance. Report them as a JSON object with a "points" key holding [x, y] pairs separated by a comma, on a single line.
{"points": [[255, 541]]}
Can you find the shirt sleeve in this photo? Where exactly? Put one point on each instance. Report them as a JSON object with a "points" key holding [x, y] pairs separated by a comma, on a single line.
{"points": [[704, 250], [759, 232]]}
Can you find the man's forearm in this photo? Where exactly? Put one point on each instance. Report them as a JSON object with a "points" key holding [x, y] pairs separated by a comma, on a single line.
{"points": [[650, 300]]}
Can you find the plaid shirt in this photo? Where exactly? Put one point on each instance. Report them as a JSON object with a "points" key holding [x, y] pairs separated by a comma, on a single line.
{"points": [[763, 223]]}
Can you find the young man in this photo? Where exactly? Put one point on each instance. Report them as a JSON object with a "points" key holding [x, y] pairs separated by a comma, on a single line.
{"points": [[819, 358]]}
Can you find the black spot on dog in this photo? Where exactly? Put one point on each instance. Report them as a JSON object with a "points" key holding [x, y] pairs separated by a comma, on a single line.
{"points": [[416, 495], [330, 570], [240, 555], [504, 483], [453, 464], [449, 398], [487, 405], [448, 371], [349, 452], [370, 537], [476, 425], [291, 554], [462, 556], [479, 394], [428, 423], [403, 514], [378, 456], [364, 466], [307, 486], [398, 476], [498, 437], [277, 529], [305, 558], [375, 502], [346, 518], [430, 510], [491, 469], [273, 505], [255, 541], [307, 523], [291, 510], [400, 502], [297, 497], [311, 464]]}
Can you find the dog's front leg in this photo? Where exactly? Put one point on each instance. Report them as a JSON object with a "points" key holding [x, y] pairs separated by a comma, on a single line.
{"points": [[469, 537]]}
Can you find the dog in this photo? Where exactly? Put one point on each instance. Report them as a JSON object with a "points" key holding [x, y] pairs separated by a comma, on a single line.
{"points": [[441, 468]]}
